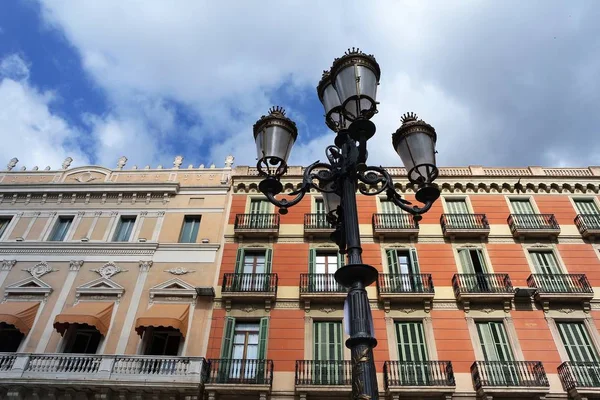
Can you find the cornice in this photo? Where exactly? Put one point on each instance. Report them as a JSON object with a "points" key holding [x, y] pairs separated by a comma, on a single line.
{"points": [[189, 246], [78, 248], [119, 187]]}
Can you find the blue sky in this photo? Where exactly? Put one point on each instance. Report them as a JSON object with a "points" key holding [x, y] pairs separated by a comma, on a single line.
{"points": [[504, 83]]}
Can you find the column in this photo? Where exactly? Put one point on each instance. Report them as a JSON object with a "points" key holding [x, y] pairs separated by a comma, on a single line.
{"points": [[74, 266], [7, 266], [35, 217], [158, 227], [133, 307]]}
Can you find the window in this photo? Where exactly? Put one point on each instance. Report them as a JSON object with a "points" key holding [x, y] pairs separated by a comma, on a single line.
{"points": [[474, 265], [327, 342], [322, 264], [403, 266], [82, 339], [545, 262], [11, 338], [521, 206], [577, 342], [61, 228], [124, 229], [259, 206], [587, 207], [412, 352], [4, 221], [164, 342], [244, 342], [189, 232], [388, 207], [457, 206], [320, 206], [496, 348], [252, 269]]}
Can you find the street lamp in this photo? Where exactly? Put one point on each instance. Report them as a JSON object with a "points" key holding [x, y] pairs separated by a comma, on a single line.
{"points": [[348, 93]]}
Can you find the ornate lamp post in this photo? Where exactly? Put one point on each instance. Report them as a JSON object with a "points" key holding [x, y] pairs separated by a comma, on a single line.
{"points": [[348, 92]]}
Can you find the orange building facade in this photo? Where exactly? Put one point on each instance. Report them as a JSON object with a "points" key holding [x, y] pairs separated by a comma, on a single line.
{"points": [[494, 293]]}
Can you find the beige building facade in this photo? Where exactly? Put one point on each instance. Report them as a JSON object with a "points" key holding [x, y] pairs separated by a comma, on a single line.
{"points": [[107, 279]]}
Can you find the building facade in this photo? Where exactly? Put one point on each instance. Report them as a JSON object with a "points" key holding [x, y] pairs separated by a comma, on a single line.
{"points": [[107, 279], [494, 293]]}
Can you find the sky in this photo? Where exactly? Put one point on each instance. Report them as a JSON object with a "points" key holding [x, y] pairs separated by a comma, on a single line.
{"points": [[505, 83]]}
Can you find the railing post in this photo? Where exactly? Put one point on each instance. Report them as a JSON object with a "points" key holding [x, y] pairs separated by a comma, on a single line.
{"points": [[20, 365], [106, 366]]}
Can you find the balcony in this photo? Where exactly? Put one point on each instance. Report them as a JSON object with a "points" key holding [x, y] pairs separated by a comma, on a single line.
{"points": [[533, 225], [322, 378], [111, 374], [249, 288], [580, 379], [320, 288], [483, 288], [464, 225], [405, 288], [394, 225], [418, 378], [588, 225], [316, 225], [565, 288], [256, 225], [235, 376], [518, 379]]}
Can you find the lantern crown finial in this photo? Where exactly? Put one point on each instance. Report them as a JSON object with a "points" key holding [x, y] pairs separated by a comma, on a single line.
{"points": [[409, 117], [277, 110]]}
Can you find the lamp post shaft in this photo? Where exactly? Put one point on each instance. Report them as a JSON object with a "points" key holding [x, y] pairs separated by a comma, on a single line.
{"points": [[361, 341]]}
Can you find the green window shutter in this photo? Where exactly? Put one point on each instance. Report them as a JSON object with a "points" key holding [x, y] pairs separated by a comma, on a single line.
{"points": [[481, 258], [392, 261], [228, 333], [327, 341], [494, 341], [340, 260], [312, 259], [457, 207], [414, 260], [587, 207], [411, 341], [263, 336], [319, 206], [522, 206], [466, 262], [545, 262], [577, 342], [239, 261], [268, 258]]}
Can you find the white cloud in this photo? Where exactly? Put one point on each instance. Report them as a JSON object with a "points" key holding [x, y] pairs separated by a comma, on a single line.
{"points": [[29, 130]]}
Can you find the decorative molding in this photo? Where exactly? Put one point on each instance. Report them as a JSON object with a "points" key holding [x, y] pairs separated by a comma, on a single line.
{"points": [[108, 270], [40, 269], [566, 310], [7, 265], [180, 271], [30, 286], [173, 289], [328, 310], [75, 265], [145, 265], [66, 248], [103, 287]]}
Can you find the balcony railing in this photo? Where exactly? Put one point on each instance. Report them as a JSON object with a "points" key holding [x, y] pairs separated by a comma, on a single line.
{"points": [[404, 283], [588, 224], [249, 283], [310, 372], [256, 222], [394, 221], [319, 283], [482, 283], [579, 375], [453, 223], [532, 222], [88, 368], [418, 373], [560, 283], [316, 221], [508, 374], [236, 371]]}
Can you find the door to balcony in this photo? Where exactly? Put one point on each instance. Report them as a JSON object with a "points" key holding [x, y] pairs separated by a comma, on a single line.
{"points": [[583, 357], [322, 267], [260, 212], [403, 267], [414, 369], [550, 276], [328, 352], [253, 271], [496, 350], [473, 263]]}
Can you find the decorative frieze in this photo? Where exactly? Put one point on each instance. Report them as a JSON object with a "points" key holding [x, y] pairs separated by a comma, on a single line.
{"points": [[40, 269], [110, 269]]}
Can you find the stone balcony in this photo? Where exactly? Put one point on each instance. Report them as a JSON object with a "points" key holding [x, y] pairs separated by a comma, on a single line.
{"points": [[54, 375]]}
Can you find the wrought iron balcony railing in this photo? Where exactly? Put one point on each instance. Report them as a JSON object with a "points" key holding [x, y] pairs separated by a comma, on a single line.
{"points": [[247, 372], [256, 222], [588, 223], [482, 283], [316, 221], [418, 373], [532, 222], [394, 221], [560, 283], [334, 372], [319, 283], [509, 374], [404, 283], [249, 283], [464, 222], [579, 375]]}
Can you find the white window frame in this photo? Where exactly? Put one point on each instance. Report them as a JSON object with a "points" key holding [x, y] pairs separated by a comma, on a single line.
{"points": [[116, 223], [390, 326], [313, 203], [549, 248], [509, 328], [486, 256], [590, 326], [467, 200], [8, 229], [531, 199], [251, 197], [53, 223], [309, 323], [574, 198]]}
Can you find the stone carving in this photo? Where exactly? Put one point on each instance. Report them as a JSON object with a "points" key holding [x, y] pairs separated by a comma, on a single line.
{"points": [[7, 265], [180, 271], [248, 309], [145, 265], [40, 269], [12, 163], [201, 166], [108, 270], [47, 168], [67, 163], [191, 166], [213, 166], [35, 168], [85, 177], [327, 310], [177, 162], [229, 161], [147, 167], [23, 168], [121, 162], [75, 265], [566, 310]]}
